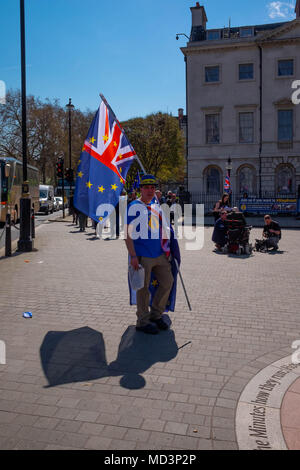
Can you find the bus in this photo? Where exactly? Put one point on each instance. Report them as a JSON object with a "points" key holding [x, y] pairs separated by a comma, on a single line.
{"points": [[11, 179]]}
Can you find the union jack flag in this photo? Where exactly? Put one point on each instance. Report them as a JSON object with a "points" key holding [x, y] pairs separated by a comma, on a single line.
{"points": [[227, 184], [104, 162]]}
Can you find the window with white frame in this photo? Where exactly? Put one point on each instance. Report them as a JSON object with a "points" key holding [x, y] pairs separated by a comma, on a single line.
{"points": [[212, 122], [212, 74], [285, 125], [246, 180], [246, 128], [285, 178], [213, 35], [246, 71], [285, 68], [213, 180]]}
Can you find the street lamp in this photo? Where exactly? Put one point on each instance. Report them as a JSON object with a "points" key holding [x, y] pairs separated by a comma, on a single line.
{"points": [[69, 107], [25, 242], [181, 34], [229, 168], [187, 114]]}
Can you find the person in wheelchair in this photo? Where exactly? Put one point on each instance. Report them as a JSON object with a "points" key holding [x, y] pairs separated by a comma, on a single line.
{"points": [[271, 233], [219, 236], [238, 233]]}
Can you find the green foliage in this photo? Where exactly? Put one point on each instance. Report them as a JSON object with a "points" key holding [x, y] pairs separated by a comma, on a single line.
{"points": [[47, 133], [159, 144], [156, 138]]}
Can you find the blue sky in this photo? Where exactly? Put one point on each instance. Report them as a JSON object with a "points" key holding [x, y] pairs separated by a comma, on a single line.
{"points": [[125, 49]]}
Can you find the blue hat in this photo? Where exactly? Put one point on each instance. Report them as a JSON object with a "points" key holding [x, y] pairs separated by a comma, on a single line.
{"points": [[148, 179]]}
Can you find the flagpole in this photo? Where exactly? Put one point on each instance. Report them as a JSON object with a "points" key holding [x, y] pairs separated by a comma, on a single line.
{"points": [[139, 162], [120, 127], [184, 290]]}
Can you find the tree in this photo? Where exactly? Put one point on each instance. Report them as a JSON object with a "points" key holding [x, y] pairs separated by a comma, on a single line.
{"points": [[47, 133], [159, 143]]}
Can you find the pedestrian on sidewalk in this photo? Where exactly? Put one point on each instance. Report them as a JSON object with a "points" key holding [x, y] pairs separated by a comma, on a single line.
{"points": [[82, 221], [145, 248]]}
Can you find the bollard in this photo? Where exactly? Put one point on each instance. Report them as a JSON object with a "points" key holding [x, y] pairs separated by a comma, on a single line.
{"points": [[32, 223], [8, 236]]}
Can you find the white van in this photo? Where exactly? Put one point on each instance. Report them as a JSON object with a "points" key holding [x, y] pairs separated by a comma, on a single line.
{"points": [[47, 199]]}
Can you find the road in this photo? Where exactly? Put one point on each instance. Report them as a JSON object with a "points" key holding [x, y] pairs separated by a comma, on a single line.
{"points": [[39, 219]]}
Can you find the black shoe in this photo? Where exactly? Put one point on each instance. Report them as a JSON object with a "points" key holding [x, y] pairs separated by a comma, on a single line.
{"points": [[161, 324], [275, 248], [148, 329]]}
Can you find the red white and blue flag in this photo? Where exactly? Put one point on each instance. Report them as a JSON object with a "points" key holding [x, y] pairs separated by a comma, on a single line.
{"points": [[104, 162], [227, 184]]}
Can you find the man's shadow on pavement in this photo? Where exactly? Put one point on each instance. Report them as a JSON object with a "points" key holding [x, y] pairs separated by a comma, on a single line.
{"points": [[79, 356]]}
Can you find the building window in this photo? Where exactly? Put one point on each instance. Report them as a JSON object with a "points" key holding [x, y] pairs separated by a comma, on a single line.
{"points": [[246, 128], [246, 32], [285, 176], [213, 181], [213, 35], [285, 125], [212, 128], [246, 180], [246, 71], [285, 68], [212, 74]]}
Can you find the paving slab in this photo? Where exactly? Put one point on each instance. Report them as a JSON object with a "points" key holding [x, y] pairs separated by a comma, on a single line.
{"points": [[78, 375]]}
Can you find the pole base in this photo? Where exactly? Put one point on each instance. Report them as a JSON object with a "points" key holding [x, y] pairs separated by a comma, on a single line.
{"points": [[25, 245], [25, 242]]}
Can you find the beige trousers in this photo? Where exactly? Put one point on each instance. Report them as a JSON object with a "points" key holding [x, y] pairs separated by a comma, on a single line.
{"points": [[161, 269]]}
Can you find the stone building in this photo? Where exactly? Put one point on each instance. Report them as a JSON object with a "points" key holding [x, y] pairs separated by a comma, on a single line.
{"points": [[240, 107]]}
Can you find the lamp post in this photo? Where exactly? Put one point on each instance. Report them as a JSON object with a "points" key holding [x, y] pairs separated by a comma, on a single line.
{"points": [[69, 107], [229, 168], [187, 115], [25, 242]]}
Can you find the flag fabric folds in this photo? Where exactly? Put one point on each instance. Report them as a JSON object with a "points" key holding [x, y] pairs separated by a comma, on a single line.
{"points": [[171, 248], [227, 184], [104, 162]]}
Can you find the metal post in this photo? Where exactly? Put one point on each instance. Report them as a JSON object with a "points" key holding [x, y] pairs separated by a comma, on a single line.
{"points": [[25, 242], [32, 223], [70, 106], [63, 187], [8, 236]]}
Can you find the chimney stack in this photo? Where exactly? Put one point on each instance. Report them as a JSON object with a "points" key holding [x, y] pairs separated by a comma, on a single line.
{"points": [[199, 17], [297, 9]]}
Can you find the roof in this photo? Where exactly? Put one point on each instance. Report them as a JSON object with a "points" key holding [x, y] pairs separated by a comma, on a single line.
{"points": [[198, 33]]}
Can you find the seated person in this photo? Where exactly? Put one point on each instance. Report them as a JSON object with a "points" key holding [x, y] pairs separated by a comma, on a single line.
{"points": [[222, 204], [271, 232], [219, 236]]}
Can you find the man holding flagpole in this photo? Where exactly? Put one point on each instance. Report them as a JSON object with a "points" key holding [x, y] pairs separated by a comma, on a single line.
{"points": [[105, 160], [148, 247]]}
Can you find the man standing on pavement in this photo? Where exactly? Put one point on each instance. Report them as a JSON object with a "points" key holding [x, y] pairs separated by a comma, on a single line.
{"points": [[145, 247], [272, 233]]}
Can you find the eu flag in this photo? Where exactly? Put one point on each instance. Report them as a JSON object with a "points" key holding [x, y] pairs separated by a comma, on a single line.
{"points": [[103, 166]]}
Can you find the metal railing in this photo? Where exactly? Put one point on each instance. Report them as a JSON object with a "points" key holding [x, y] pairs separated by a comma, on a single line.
{"points": [[209, 200]]}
